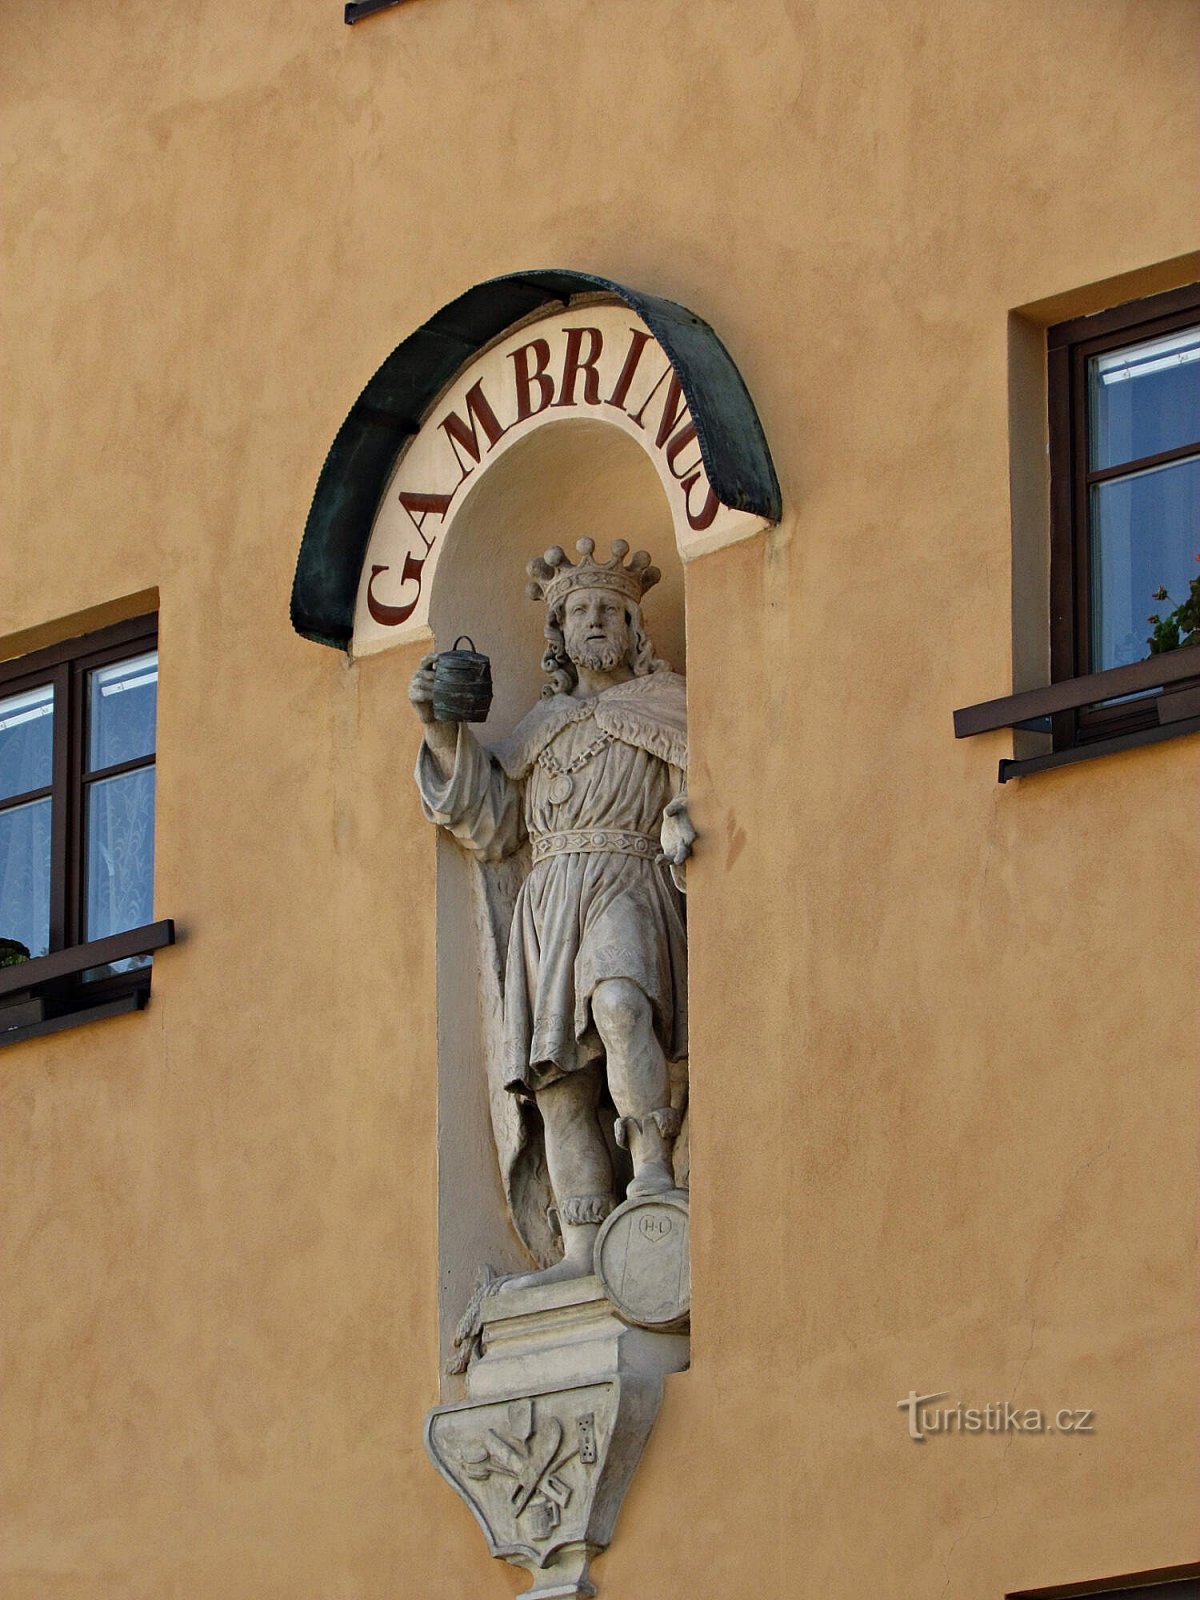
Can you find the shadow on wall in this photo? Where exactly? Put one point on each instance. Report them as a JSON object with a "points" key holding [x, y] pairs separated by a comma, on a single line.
{"points": [[567, 481]]}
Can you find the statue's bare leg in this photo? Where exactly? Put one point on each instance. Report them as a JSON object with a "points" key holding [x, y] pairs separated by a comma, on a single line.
{"points": [[580, 1171], [638, 1082]]}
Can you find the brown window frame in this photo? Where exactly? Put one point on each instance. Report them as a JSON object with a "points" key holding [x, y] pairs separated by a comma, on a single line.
{"points": [[50, 992], [1160, 1583], [1069, 347]]}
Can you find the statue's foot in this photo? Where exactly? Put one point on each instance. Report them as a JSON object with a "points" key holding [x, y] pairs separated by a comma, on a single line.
{"points": [[651, 1177], [579, 1241], [561, 1272], [649, 1140]]}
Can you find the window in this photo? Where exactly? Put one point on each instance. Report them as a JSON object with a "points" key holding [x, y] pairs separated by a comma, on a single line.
{"points": [[1125, 495], [77, 768], [1124, 412]]}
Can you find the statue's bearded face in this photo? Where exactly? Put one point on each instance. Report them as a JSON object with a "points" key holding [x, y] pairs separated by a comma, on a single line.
{"points": [[596, 629]]}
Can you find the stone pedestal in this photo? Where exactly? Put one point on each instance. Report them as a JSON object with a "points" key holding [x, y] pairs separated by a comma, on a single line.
{"points": [[560, 1406]]}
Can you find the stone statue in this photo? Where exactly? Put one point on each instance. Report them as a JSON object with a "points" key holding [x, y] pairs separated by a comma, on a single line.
{"points": [[595, 978]]}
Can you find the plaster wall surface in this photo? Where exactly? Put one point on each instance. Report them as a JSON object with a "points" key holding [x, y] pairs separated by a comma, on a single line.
{"points": [[943, 1069]]}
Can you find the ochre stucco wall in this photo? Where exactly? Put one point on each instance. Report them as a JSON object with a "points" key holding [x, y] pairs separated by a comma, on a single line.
{"points": [[943, 1032]]}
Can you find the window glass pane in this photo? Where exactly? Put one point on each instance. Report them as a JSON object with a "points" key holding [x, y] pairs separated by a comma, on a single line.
{"points": [[25, 875], [111, 968], [1145, 536], [122, 701], [26, 741], [120, 853], [1144, 399]]}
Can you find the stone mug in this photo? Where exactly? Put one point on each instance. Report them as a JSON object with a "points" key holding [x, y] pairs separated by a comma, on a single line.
{"points": [[462, 684]]}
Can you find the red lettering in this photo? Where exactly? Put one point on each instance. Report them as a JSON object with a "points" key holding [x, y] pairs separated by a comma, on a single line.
{"points": [[463, 433], [573, 366], [426, 505], [418, 507], [689, 476], [633, 355], [393, 616], [679, 443], [527, 379], [703, 518], [673, 409]]}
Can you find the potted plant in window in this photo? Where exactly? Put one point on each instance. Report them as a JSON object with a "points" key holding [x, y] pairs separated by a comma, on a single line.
{"points": [[1180, 628]]}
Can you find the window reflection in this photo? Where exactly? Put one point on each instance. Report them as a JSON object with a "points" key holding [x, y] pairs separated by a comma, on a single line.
{"points": [[1145, 536], [122, 707], [119, 842], [26, 741], [25, 875], [1145, 399]]}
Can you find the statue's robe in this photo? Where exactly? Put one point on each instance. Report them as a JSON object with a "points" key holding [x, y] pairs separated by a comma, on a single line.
{"points": [[585, 912]]}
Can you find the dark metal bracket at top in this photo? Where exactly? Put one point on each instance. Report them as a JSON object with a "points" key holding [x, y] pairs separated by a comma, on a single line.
{"points": [[356, 10], [402, 392]]}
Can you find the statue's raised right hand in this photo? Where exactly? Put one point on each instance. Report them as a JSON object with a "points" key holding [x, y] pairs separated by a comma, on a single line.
{"points": [[441, 738], [420, 690]]}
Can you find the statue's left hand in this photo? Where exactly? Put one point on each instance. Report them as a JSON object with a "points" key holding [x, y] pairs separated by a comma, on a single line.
{"points": [[677, 834]]}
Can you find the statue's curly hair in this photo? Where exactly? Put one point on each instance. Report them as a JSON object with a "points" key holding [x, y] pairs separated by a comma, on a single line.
{"points": [[560, 670]]}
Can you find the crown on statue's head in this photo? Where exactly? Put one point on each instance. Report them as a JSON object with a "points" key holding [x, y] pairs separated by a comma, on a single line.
{"points": [[553, 575]]}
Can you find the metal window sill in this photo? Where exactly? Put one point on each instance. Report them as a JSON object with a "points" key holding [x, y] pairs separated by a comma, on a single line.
{"points": [[48, 994], [1177, 706], [80, 957], [1099, 747], [136, 1001], [356, 10]]}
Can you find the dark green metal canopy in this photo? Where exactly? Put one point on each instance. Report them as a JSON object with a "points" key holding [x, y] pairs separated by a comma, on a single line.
{"points": [[397, 399]]}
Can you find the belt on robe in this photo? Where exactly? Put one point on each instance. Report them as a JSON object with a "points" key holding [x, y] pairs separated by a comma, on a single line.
{"points": [[594, 841]]}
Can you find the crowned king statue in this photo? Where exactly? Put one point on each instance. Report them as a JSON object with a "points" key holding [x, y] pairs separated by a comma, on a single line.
{"points": [[595, 978]]}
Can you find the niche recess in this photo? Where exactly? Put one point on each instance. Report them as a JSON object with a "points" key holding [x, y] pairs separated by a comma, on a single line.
{"points": [[568, 480], [532, 410]]}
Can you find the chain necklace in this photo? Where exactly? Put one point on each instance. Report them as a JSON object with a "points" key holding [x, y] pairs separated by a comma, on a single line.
{"points": [[561, 786]]}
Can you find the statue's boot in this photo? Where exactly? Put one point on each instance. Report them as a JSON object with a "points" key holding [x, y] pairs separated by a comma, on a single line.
{"points": [[649, 1140], [579, 1219]]}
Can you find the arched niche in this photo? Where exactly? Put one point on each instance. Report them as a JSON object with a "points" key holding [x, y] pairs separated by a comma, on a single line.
{"points": [[578, 478], [533, 410], [510, 358]]}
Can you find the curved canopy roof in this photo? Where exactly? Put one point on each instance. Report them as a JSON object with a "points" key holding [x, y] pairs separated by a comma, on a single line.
{"points": [[395, 401]]}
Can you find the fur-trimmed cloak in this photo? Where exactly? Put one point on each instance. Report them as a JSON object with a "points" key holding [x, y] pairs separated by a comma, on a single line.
{"points": [[581, 915]]}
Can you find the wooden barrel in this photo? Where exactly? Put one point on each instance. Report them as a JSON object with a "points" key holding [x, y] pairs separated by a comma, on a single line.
{"points": [[462, 684]]}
